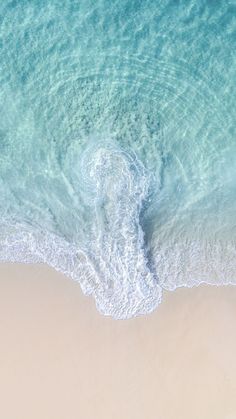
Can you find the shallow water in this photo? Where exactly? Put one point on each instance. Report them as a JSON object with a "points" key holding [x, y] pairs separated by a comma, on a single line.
{"points": [[118, 144]]}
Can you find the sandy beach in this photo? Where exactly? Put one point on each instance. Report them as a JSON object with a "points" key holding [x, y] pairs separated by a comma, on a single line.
{"points": [[60, 359]]}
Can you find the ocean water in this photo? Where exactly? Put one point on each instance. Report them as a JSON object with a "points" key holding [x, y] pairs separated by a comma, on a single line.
{"points": [[118, 144]]}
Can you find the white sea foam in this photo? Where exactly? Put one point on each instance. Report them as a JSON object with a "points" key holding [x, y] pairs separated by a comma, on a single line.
{"points": [[108, 254], [111, 263], [188, 263], [118, 186]]}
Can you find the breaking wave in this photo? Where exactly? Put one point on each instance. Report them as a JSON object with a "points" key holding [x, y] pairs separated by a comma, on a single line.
{"points": [[110, 262]]}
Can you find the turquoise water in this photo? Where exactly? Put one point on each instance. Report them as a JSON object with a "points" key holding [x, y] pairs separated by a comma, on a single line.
{"points": [[118, 144]]}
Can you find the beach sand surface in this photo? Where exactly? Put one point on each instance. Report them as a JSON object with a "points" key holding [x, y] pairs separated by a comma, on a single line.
{"points": [[61, 359]]}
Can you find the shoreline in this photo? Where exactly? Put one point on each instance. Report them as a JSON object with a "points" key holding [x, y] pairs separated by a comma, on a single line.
{"points": [[60, 358]]}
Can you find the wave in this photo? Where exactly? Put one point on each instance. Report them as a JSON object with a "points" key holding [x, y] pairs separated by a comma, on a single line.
{"points": [[110, 261], [108, 248]]}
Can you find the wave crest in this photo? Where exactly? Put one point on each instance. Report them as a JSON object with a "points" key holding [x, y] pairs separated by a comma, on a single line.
{"points": [[118, 185], [109, 258]]}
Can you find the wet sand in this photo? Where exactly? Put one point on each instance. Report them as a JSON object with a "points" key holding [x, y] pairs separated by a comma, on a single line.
{"points": [[60, 359]]}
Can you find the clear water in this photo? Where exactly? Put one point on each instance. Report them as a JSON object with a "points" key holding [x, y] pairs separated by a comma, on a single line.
{"points": [[118, 144]]}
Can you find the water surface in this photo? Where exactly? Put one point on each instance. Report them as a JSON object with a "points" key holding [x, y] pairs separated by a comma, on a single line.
{"points": [[117, 144]]}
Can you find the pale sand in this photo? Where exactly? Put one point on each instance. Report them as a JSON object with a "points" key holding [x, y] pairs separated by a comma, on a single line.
{"points": [[60, 359]]}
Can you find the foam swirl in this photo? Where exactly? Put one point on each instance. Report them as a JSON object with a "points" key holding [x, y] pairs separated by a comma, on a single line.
{"points": [[118, 187], [109, 260]]}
